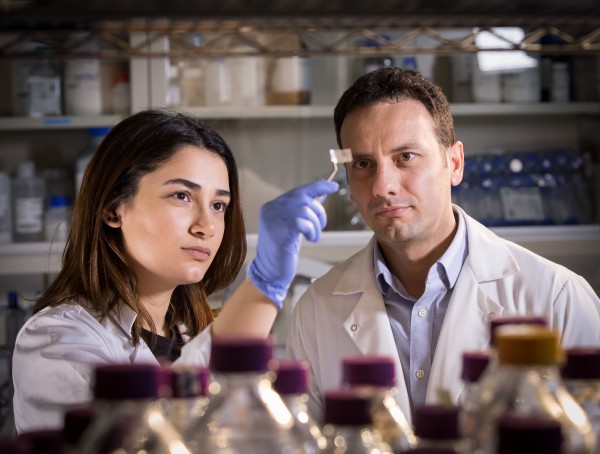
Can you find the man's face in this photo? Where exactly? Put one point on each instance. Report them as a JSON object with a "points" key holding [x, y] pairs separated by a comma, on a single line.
{"points": [[400, 178]]}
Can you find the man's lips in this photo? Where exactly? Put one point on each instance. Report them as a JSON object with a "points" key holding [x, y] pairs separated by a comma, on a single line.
{"points": [[198, 252], [391, 211]]}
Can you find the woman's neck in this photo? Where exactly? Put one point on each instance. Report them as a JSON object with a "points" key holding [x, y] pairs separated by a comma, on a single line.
{"points": [[157, 305]]}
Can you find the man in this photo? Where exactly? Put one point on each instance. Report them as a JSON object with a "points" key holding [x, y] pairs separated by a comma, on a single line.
{"points": [[426, 286]]}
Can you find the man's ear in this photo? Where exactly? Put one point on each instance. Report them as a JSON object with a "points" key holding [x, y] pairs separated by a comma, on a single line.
{"points": [[456, 161], [111, 218]]}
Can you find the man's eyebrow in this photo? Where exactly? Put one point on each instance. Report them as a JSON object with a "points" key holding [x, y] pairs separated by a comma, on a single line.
{"points": [[402, 147], [195, 186]]}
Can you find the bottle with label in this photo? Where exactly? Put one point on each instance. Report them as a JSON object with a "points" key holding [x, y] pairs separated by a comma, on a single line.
{"points": [[29, 192], [19, 73], [191, 78], [5, 208], [522, 86], [218, 83], [95, 138], [44, 86], [248, 77], [288, 81], [83, 85], [57, 219]]}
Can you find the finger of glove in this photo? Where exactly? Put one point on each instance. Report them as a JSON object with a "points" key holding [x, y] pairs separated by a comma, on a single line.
{"points": [[308, 224], [314, 189]]}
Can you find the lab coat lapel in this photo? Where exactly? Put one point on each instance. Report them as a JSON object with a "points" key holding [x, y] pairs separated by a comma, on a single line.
{"points": [[470, 310], [368, 324], [465, 328]]}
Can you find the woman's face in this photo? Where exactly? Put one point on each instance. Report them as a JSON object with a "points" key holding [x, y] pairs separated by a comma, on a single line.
{"points": [[173, 227]]}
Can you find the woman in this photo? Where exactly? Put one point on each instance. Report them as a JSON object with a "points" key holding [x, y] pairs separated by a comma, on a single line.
{"points": [[157, 227]]}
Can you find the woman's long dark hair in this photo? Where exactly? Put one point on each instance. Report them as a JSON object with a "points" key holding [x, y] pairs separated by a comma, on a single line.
{"points": [[95, 266]]}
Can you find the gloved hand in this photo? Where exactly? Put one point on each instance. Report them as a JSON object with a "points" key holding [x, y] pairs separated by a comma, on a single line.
{"points": [[280, 224]]}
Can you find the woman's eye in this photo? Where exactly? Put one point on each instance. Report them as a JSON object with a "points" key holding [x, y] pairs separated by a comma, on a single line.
{"points": [[220, 206], [184, 196]]}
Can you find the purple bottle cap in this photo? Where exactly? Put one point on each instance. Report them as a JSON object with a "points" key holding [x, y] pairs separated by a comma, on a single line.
{"points": [[75, 422], [582, 363], [15, 446], [45, 441], [348, 407], [291, 377], [129, 381], [240, 354], [369, 370], [188, 381], [514, 320], [436, 422], [473, 365], [521, 434]]}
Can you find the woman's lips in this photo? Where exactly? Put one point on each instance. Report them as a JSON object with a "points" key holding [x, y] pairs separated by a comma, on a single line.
{"points": [[198, 253]]}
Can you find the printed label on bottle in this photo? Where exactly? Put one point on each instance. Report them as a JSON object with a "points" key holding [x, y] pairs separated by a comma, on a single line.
{"points": [[29, 215], [522, 204], [44, 95]]}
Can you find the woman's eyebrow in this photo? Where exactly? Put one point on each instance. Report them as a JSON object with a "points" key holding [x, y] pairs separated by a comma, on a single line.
{"points": [[195, 186]]}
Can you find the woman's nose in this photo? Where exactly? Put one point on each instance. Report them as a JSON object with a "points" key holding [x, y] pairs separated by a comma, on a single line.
{"points": [[203, 226]]}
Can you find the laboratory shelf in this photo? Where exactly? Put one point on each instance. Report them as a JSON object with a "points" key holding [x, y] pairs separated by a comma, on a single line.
{"points": [[291, 112], [558, 243], [63, 122]]}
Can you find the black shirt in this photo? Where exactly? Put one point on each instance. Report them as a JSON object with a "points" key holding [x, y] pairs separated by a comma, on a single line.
{"points": [[164, 348]]}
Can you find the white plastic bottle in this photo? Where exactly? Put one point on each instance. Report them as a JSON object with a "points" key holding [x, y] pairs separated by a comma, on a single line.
{"points": [[83, 87], [95, 137], [121, 94], [28, 203], [44, 86], [57, 219], [5, 208]]}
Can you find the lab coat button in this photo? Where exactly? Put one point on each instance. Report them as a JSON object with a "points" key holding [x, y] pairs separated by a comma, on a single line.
{"points": [[422, 312], [354, 327], [420, 373], [491, 316]]}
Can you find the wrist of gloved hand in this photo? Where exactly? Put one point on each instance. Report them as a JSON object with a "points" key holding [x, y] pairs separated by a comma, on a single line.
{"points": [[275, 291]]}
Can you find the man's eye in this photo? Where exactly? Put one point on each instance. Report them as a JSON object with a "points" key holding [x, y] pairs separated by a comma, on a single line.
{"points": [[361, 164], [405, 157]]}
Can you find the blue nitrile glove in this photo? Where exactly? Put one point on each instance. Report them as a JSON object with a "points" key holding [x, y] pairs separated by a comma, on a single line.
{"points": [[280, 225]]}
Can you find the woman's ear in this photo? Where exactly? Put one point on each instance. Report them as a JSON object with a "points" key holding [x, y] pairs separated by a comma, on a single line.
{"points": [[111, 218]]}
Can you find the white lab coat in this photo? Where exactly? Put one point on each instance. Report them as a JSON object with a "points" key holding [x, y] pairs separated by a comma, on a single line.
{"points": [[343, 314], [55, 354]]}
